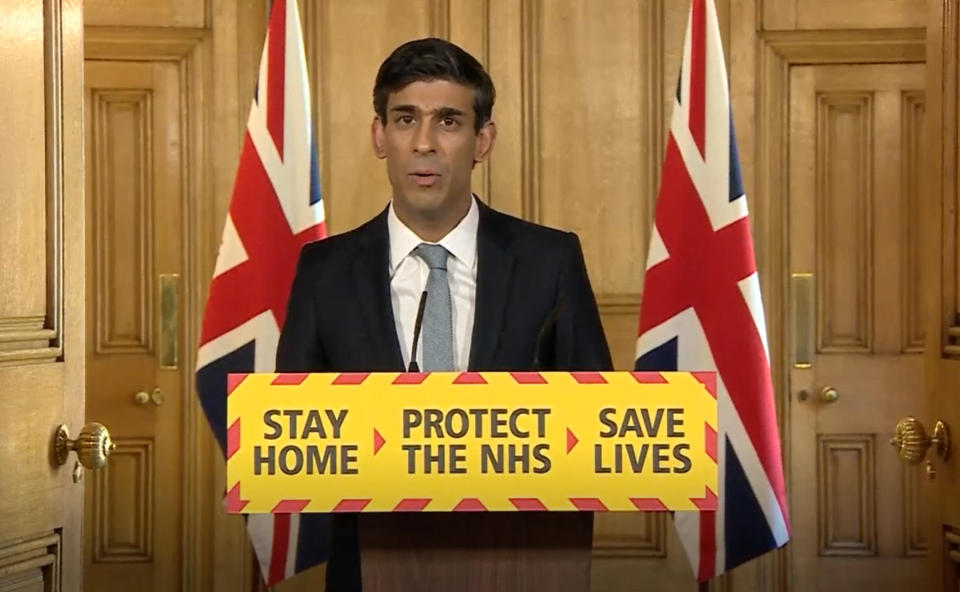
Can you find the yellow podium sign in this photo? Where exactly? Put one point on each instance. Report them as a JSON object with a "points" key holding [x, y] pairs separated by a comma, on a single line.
{"points": [[498, 441]]}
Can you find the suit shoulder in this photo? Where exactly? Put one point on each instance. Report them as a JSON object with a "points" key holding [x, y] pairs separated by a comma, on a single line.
{"points": [[530, 235], [334, 250]]}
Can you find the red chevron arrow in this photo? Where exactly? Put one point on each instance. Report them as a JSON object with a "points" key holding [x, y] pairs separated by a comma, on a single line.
{"points": [[571, 440]]}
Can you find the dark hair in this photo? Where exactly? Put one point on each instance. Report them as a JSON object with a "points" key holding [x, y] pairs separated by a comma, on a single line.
{"points": [[433, 59]]}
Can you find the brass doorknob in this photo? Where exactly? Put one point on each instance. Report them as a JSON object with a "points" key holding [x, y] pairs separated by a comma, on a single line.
{"points": [[93, 445], [911, 440], [143, 397], [829, 394]]}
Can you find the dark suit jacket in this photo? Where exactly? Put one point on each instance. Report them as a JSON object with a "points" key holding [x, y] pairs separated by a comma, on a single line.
{"points": [[340, 319]]}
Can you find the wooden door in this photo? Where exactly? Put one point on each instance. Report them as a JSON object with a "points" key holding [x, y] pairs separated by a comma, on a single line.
{"points": [[942, 290], [134, 152], [41, 293], [856, 143]]}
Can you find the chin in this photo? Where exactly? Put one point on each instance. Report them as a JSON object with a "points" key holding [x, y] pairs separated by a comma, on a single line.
{"points": [[426, 202]]}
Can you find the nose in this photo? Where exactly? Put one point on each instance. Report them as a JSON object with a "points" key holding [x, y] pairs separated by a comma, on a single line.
{"points": [[424, 140]]}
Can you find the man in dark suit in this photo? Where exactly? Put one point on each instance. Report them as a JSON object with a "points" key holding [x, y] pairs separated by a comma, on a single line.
{"points": [[502, 293]]}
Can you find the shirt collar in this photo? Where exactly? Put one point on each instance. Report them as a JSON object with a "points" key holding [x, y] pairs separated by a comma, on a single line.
{"points": [[461, 241]]}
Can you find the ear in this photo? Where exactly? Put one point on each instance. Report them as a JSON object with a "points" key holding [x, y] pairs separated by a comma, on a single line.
{"points": [[377, 138], [486, 138]]}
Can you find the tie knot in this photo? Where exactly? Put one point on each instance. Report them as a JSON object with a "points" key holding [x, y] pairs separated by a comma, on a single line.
{"points": [[434, 255]]}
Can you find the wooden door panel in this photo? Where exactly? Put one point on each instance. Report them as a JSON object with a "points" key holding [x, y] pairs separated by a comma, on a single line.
{"points": [[854, 224], [41, 279], [135, 183]]}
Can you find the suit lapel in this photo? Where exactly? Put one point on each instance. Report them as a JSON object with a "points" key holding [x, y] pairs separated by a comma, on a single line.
{"points": [[494, 268], [372, 283]]}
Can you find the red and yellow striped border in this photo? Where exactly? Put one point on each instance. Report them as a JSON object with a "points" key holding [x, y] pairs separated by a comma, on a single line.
{"points": [[236, 503]]}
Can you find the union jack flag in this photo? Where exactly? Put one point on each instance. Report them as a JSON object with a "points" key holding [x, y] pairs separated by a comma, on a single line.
{"points": [[701, 309], [275, 208]]}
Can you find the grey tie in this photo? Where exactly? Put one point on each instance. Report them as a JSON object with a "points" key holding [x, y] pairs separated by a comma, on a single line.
{"points": [[437, 330]]}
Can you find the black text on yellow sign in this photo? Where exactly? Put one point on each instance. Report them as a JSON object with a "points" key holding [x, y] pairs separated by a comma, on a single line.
{"points": [[496, 441]]}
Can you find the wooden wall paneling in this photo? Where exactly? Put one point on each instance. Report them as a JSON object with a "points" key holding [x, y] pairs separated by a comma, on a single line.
{"points": [[28, 207], [590, 119], [156, 13], [124, 290], [645, 537], [943, 100], [440, 18], [951, 548], [469, 25], [123, 517], [32, 564], [25, 328], [913, 140], [899, 114], [355, 182], [505, 64], [849, 14], [41, 316], [844, 142], [778, 15], [531, 44], [847, 511], [916, 500]]}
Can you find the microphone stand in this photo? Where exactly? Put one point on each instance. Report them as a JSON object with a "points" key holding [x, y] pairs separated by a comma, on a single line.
{"points": [[417, 325]]}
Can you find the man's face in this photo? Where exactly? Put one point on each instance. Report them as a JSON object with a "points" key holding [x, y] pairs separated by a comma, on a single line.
{"points": [[430, 146]]}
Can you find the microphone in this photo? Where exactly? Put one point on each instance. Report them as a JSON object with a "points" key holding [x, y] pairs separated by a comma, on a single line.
{"points": [[547, 324], [413, 366]]}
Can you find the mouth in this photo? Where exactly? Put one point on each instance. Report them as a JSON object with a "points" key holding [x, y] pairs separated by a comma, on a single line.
{"points": [[424, 178]]}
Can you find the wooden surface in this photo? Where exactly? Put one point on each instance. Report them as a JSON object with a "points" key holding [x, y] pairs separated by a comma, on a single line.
{"points": [[849, 14], [170, 13], [941, 258], [41, 278], [476, 552]]}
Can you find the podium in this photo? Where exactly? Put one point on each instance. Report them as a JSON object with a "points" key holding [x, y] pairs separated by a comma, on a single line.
{"points": [[476, 551], [471, 481]]}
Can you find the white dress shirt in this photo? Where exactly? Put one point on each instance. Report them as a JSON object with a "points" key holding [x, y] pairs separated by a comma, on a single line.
{"points": [[408, 277]]}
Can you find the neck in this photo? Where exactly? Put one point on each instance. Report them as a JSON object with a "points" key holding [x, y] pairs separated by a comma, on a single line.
{"points": [[431, 227]]}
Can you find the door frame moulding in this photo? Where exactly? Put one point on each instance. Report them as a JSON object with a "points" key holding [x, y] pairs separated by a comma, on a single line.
{"points": [[190, 50]]}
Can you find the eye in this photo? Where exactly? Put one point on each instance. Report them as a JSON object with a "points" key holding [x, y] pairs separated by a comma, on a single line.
{"points": [[449, 122], [405, 119]]}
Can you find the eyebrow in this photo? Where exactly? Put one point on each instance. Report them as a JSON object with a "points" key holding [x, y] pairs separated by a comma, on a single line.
{"points": [[439, 112]]}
